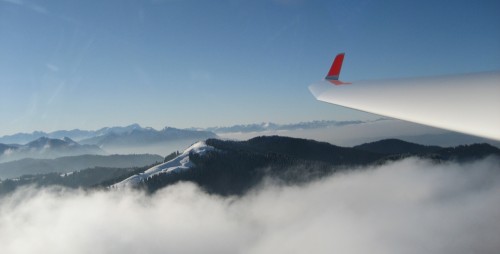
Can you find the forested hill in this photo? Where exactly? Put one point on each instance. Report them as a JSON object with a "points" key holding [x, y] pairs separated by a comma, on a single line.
{"points": [[396, 146], [303, 149], [399, 148], [237, 166]]}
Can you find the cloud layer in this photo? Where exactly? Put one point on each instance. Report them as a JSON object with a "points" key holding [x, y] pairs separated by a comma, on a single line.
{"points": [[410, 206]]}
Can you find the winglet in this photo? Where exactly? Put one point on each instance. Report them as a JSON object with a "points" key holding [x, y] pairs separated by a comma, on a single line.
{"points": [[334, 73]]}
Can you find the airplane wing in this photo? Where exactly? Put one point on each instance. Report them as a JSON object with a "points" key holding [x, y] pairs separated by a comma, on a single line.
{"points": [[468, 103]]}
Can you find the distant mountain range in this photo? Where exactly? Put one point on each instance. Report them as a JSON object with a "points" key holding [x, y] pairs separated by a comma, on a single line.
{"points": [[260, 127], [46, 148], [136, 139], [124, 140], [110, 135], [145, 136], [130, 133]]}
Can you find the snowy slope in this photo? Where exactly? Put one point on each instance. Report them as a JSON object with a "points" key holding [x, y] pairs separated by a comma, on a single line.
{"points": [[180, 162]]}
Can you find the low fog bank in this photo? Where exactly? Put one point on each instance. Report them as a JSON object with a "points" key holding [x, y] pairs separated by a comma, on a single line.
{"points": [[410, 206]]}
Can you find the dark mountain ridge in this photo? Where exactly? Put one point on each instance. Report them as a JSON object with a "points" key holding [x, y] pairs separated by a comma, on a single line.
{"points": [[304, 149], [237, 166], [396, 146]]}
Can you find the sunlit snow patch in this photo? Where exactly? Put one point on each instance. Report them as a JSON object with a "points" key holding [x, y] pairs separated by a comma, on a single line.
{"points": [[179, 163]]}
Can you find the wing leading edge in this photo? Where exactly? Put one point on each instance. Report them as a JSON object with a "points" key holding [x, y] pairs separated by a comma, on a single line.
{"points": [[468, 103]]}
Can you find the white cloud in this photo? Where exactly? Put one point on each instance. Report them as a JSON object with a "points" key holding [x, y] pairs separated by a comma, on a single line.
{"points": [[411, 206]]}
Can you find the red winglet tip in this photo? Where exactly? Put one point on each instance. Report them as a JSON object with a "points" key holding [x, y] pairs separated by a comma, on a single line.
{"points": [[334, 72]]}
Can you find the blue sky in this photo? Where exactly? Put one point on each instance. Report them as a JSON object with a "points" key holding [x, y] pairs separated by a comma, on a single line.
{"points": [[89, 64]]}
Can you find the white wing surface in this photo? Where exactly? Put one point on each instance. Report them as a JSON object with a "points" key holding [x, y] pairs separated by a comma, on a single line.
{"points": [[468, 103]]}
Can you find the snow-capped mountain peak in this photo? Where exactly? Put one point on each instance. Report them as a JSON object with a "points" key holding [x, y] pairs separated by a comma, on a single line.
{"points": [[181, 162]]}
